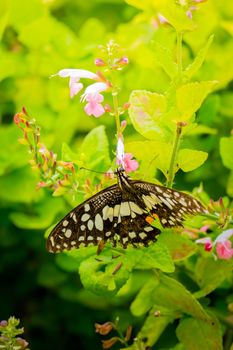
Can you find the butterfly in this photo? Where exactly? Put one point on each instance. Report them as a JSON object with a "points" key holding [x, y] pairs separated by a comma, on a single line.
{"points": [[120, 214]]}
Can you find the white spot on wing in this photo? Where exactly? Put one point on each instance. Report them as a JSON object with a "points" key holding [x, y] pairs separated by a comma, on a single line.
{"points": [[132, 235], [148, 228], [86, 207], [65, 223], [124, 209], [85, 217], [90, 225], [68, 233], [142, 235], [99, 222], [135, 208]]}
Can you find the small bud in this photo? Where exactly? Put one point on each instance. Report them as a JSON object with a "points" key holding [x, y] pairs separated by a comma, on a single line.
{"points": [[24, 111], [162, 19], [157, 313], [208, 246], [3, 323], [22, 342], [107, 344], [128, 333], [126, 106], [103, 329], [107, 108], [182, 124], [123, 61], [99, 62], [123, 125]]}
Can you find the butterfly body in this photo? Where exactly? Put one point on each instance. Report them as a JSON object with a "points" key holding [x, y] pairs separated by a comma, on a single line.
{"points": [[119, 214]]}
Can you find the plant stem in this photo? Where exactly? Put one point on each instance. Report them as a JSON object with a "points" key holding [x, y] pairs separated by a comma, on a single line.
{"points": [[171, 171], [116, 112], [179, 53]]}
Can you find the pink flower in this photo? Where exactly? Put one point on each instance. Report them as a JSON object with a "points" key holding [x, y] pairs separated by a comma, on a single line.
{"points": [[224, 250], [94, 98], [75, 75], [94, 106], [207, 241], [222, 243], [125, 159], [130, 164]]}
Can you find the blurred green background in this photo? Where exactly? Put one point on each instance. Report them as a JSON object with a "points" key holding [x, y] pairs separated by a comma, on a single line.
{"points": [[39, 37]]}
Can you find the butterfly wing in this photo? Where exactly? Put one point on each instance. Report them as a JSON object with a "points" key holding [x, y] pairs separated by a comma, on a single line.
{"points": [[169, 205], [118, 215]]}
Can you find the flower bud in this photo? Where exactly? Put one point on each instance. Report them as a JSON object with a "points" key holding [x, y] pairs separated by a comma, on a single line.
{"points": [[99, 62]]}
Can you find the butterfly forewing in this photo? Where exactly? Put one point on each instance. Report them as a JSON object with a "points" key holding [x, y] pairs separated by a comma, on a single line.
{"points": [[119, 214]]}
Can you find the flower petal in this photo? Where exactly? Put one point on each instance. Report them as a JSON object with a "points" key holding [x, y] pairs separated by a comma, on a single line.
{"points": [[224, 250], [224, 236], [76, 73], [75, 88], [95, 89]]}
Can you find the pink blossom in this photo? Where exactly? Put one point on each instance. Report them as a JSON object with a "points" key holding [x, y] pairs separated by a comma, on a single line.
{"points": [[222, 243], [94, 106], [224, 249], [207, 241], [130, 164], [75, 75], [125, 159], [204, 228]]}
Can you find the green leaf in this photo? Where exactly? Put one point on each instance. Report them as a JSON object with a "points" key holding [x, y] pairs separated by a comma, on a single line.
{"points": [[173, 295], [189, 97], [177, 17], [199, 59], [226, 151], [19, 186], [189, 159], [143, 301], [153, 327], [145, 111], [156, 256], [100, 276], [197, 334], [159, 158], [50, 276], [68, 155], [4, 15], [164, 57], [179, 247], [94, 151], [210, 273], [41, 217], [71, 260]]}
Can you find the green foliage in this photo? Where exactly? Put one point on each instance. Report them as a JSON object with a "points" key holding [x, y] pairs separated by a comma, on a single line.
{"points": [[165, 291]]}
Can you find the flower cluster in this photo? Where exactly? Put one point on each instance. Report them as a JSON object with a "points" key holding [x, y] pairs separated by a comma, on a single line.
{"points": [[221, 244], [55, 174], [107, 327], [8, 335], [110, 61]]}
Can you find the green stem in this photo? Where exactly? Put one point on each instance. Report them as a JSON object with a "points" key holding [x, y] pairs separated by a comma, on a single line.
{"points": [[179, 53], [171, 171], [116, 112]]}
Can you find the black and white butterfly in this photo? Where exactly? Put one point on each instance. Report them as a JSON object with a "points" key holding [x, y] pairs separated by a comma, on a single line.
{"points": [[119, 213]]}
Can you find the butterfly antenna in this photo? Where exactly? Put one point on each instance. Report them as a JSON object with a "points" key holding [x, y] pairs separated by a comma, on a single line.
{"points": [[95, 171]]}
